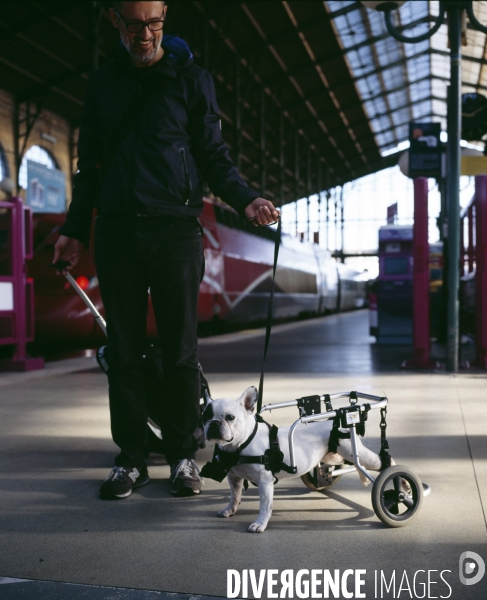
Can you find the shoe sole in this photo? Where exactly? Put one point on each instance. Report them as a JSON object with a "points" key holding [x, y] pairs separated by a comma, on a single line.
{"points": [[122, 496]]}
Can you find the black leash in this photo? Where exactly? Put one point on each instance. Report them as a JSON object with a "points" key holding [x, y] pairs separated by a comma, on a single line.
{"points": [[270, 311], [272, 459]]}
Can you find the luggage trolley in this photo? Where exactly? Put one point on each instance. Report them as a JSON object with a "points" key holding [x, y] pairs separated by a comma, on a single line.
{"points": [[397, 492]]}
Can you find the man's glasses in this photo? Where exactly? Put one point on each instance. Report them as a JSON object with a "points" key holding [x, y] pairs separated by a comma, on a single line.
{"points": [[138, 26]]}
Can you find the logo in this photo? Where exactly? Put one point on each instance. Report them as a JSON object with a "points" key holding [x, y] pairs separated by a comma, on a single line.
{"points": [[468, 566]]}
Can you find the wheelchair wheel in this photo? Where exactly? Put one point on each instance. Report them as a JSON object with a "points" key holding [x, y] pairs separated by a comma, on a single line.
{"points": [[320, 478], [395, 503]]}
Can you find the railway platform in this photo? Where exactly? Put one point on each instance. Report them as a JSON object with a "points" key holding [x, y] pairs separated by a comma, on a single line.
{"points": [[58, 540]]}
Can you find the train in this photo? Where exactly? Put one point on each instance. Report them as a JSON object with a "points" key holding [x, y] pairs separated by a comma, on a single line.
{"points": [[234, 291]]}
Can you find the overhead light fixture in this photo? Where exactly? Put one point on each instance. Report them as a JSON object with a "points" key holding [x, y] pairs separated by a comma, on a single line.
{"points": [[48, 138]]}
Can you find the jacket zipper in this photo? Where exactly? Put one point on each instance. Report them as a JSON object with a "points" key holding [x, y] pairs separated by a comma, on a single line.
{"points": [[182, 152]]}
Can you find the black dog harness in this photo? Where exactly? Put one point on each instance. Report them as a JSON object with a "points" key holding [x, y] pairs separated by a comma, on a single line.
{"points": [[340, 422], [272, 459]]}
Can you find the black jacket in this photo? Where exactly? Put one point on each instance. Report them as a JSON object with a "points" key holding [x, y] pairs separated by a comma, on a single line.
{"points": [[174, 143]]}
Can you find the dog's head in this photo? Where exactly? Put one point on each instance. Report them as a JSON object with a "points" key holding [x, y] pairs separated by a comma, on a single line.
{"points": [[226, 421]]}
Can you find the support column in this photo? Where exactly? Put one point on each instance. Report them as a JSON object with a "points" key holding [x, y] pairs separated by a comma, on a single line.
{"points": [[336, 219], [421, 276], [319, 180], [281, 159], [327, 224], [296, 164], [342, 224], [454, 131], [443, 228], [481, 271], [308, 192], [296, 176], [296, 215], [17, 157], [25, 117], [308, 201]]}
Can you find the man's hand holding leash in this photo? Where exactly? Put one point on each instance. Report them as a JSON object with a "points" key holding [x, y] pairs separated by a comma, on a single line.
{"points": [[262, 212]]}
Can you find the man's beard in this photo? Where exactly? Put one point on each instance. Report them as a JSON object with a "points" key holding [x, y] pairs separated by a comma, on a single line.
{"points": [[131, 49]]}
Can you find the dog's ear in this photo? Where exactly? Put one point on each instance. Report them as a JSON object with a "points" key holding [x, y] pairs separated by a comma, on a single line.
{"points": [[249, 398], [208, 412]]}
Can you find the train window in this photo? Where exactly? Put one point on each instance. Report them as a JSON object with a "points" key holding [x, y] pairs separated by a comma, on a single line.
{"points": [[396, 266], [39, 155]]}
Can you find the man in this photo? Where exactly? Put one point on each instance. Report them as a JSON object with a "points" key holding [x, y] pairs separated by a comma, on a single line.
{"points": [[147, 235]]}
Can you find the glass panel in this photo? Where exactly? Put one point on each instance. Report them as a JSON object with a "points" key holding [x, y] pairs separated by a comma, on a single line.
{"points": [[39, 155]]}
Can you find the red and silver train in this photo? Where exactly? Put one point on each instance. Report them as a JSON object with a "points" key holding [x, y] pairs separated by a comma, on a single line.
{"points": [[235, 288]]}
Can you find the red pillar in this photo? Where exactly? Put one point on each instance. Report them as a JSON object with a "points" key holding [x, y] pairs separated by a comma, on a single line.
{"points": [[481, 271]]}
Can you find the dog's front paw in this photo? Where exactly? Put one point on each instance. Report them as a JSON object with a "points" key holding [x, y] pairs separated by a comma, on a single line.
{"points": [[257, 527], [226, 512]]}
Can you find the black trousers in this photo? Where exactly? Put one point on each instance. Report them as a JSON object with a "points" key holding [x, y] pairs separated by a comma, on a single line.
{"points": [[135, 254]]}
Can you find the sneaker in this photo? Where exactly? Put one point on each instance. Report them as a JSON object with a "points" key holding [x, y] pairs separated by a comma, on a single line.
{"points": [[185, 478], [122, 481]]}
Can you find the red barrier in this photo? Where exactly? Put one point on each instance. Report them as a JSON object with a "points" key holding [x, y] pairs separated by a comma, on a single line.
{"points": [[481, 271], [16, 290]]}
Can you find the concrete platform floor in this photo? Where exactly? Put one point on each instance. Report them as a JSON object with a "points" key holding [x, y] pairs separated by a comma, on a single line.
{"points": [[55, 449]]}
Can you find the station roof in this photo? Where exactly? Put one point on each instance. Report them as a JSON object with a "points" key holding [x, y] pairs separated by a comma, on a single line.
{"points": [[325, 93]]}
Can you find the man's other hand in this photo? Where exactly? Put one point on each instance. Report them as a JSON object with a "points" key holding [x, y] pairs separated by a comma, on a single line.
{"points": [[68, 249], [262, 212]]}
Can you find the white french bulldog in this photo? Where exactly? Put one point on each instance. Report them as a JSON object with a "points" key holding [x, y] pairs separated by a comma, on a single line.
{"points": [[230, 423]]}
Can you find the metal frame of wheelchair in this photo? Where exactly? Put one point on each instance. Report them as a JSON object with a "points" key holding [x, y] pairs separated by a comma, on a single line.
{"points": [[392, 504]]}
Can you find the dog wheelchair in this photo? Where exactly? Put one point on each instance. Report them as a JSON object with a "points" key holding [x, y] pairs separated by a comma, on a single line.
{"points": [[397, 492]]}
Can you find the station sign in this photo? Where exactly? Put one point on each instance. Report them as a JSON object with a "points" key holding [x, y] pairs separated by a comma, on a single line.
{"points": [[46, 188], [425, 150]]}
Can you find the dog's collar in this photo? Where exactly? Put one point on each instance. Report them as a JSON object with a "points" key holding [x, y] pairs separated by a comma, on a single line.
{"points": [[247, 441], [223, 460]]}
